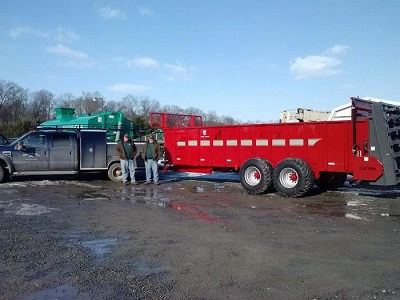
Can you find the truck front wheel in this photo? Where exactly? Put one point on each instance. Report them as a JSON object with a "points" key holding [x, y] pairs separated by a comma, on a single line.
{"points": [[115, 172], [293, 177], [256, 175]]}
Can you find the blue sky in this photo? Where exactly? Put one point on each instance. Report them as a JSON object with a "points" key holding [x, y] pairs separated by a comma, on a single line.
{"points": [[242, 58]]}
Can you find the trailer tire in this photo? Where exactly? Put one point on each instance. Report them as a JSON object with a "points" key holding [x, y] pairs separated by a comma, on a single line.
{"points": [[256, 175], [114, 172], [293, 177], [330, 181]]}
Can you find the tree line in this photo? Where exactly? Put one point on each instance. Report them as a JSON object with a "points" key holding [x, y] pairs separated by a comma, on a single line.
{"points": [[20, 109]]}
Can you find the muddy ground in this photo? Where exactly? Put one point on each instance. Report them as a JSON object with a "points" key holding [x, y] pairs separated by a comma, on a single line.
{"points": [[194, 237]]}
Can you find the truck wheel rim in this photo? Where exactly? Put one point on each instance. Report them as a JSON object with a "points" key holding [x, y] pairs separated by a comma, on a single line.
{"points": [[252, 176], [289, 178]]}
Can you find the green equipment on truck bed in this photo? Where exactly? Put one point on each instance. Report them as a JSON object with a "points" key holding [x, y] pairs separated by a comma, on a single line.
{"points": [[112, 121]]}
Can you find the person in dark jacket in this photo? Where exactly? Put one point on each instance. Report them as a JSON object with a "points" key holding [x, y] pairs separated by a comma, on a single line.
{"points": [[151, 154], [126, 149]]}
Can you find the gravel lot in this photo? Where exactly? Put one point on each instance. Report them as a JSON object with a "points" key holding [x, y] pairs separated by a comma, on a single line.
{"points": [[194, 237]]}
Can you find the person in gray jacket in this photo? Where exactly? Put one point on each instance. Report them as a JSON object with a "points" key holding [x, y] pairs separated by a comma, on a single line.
{"points": [[151, 154], [127, 150]]}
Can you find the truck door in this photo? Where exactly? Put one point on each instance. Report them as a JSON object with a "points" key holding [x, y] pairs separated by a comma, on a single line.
{"points": [[34, 155], [93, 150], [63, 152]]}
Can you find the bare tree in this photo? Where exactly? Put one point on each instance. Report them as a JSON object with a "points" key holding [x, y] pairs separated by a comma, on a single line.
{"points": [[130, 106], [65, 100], [42, 105], [146, 106], [211, 118], [172, 109], [13, 99], [194, 111], [89, 103], [111, 105], [228, 120]]}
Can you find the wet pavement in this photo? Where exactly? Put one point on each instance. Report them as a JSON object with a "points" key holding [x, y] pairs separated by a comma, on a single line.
{"points": [[195, 237]]}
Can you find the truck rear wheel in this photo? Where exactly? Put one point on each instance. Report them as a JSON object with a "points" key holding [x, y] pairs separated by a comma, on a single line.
{"points": [[293, 177], [256, 175], [115, 172], [331, 180], [4, 175]]}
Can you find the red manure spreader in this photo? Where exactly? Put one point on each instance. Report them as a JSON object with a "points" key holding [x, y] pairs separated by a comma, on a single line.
{"points": [[292, 157]]}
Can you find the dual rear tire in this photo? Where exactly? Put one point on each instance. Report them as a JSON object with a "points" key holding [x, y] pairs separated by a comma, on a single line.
{"points": [[292, 177]]}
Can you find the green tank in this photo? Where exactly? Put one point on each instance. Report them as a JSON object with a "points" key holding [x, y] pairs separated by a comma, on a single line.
{"points": [[112, 121]]}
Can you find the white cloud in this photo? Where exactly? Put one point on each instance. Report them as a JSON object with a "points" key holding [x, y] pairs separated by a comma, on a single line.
{"points": [[64, 35], [128, 87], [326, 64], [18, 31], [143, 62], [178, 72], [145, 11], [336, 50], [314, 66], [62, 50], [108, 12], [71, 58]]}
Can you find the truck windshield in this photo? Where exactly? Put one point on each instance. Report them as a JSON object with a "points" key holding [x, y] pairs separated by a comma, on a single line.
{"points": [[3, 140]]}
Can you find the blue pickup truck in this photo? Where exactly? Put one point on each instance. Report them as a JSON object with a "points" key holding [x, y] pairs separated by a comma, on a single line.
{"points": [[62, 151]]}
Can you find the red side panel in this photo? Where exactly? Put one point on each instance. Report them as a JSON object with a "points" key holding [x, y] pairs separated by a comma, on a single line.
{"points": [[325, 146]]}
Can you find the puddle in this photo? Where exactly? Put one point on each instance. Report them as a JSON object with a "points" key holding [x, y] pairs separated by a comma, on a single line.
{"points": [[29, 209], [100, 246], [196, 212], [198, 189], [381, 194], [353, 216], [154, 196], [357, 204], [145, 268], [61, 292], [93, 196], [396, 216]]}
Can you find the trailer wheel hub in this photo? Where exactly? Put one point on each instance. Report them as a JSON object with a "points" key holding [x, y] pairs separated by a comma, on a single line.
{"points": [[252, 176], [293, 177], [288, 178]]}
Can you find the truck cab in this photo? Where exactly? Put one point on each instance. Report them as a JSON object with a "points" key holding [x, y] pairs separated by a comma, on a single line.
{"points": [[40, 151]]}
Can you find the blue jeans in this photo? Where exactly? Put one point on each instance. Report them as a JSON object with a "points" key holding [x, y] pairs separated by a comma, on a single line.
{"points": [[151, 165], [128, 168]]}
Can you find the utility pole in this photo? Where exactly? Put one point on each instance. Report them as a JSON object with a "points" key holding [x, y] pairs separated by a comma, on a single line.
{"points": [[102, 101]]}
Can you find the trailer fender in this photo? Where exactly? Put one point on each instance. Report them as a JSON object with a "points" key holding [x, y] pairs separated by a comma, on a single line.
{"points": [[293, 177], [256, 175]]}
